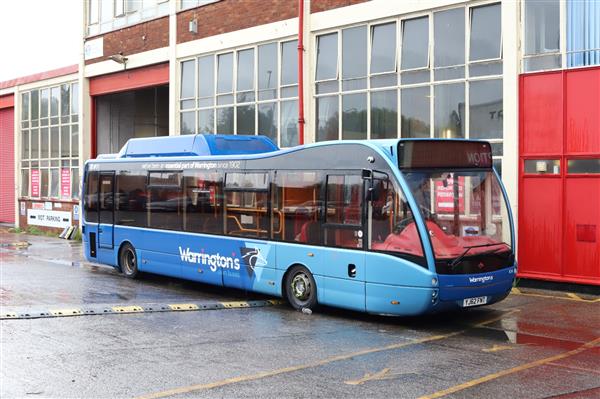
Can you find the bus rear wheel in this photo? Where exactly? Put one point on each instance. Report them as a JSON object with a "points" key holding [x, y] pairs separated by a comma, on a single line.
{"points": [[128, 261], [300, 288]]}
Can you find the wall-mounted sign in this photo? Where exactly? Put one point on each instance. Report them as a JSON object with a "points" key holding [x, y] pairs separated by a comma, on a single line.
{"points": [[35, 182], [76, 212], [39, 217], [93, 48], [23, 209], [65, 182], [37, 205]]}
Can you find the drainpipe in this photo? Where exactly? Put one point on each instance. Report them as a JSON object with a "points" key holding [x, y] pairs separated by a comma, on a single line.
{"points": [[300, 72]]}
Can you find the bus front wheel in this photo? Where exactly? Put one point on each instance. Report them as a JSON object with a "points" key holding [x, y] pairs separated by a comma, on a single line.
{"points": [[300, 288], [128, 261]]}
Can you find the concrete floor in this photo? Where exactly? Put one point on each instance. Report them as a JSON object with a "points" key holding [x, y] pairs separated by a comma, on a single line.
{"points": [[535, 344]]}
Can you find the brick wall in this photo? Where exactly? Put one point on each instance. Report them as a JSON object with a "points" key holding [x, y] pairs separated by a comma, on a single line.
{"points": [[135, 39], [324, 5], [231, 15], [64, 206]]}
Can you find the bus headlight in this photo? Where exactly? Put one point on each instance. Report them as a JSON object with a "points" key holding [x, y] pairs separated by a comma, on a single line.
{"points": [[434, 281]]}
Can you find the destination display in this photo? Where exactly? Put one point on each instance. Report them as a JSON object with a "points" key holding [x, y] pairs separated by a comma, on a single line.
{"points": [[444, 154]]}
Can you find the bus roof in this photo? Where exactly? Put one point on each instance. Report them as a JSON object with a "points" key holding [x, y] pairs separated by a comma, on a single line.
{"points": [[196, 145]]}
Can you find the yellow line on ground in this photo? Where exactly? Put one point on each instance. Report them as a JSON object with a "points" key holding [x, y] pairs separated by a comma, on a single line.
{"points": [[369, 377], [513, 370], [568, 297], [323, 362]]}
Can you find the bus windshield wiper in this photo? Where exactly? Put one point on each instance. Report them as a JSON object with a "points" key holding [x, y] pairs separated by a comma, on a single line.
{"points": [[462, 256]]}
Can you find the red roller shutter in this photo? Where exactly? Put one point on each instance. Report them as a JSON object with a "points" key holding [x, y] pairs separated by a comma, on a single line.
{"points": [[7, 166]]}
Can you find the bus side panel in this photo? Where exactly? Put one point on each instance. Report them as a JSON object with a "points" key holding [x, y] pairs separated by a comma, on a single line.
{"points": [[406, 300], [157, 250], [391, 270]]}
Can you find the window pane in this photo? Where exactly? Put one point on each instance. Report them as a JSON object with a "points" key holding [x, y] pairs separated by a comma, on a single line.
{"points": [[583, 166], [75, 98], [75, 140], [354, 52], [225, 73], [245, 119], [551, 166], [24, 144], [44, 103], [65, 141], [35, 144], [35, 105], [267, 120], [267, 70], [354, 116], [54, 101], [65, 99], [415, 43], [44, 183], [449, 37], [485, 120], [54, 182], [583, 32], [245, 70], [225, 120], [44, 143], [203, 193], [206, 121], [542, 26], [449, 110], [384, 114], [188, 122], [289, 63], [24, 182], [54, 142], [206, 78], [415, 106], [187, 79], [485, 32], [25, 106], [327, 56], [383, 48], [289, 123], [327, 118]]}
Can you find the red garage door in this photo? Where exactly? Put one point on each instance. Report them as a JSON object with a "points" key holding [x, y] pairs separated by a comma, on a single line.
{"points": [[7, 166], [559, 192]]}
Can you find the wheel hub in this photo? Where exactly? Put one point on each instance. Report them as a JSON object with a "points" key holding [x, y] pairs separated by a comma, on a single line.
{"points": [[301, 287]]}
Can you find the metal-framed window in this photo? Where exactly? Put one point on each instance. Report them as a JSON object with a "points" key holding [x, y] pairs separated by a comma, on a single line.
{"points": [[558, 34], [393, 81], [185, 4], [50, 142], [250, 90], [107, 15]]}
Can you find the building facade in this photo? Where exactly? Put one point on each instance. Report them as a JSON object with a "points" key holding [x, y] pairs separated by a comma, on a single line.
{"points": [[521, 74]]}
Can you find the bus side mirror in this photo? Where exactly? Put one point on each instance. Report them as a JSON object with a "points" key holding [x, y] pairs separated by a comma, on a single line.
{"points": [[367, 174], [373, 192]]}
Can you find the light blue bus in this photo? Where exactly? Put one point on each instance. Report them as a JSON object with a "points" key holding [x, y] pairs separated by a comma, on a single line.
{"points": [[397, 227]]}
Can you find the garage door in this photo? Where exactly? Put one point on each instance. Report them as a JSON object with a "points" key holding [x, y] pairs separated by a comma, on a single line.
{"points": [[7, 166]]}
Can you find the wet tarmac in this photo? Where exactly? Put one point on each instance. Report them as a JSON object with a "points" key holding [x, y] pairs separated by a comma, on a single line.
{"points": [[535, 344]]}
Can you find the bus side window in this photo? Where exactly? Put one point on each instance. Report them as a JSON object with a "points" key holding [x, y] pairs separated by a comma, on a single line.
{"points": [[165, 210], [90, 204], [297, 209], [246, 202], [203, 196], [343, 216], [131, 199]]}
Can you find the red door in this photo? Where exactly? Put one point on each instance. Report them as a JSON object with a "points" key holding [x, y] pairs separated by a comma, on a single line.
{"points": [[559, 176], [7, 166]]}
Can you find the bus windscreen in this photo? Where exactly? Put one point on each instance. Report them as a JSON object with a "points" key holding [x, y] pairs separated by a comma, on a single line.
{"points": [[444, 154]]}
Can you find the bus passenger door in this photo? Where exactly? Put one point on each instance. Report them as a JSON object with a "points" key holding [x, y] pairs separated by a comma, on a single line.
{"points": [[106, 195], [343, 266]]}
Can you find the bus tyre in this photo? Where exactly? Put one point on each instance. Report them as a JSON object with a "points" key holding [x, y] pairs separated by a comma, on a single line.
{"points": [[300, 288], [128, 261]]}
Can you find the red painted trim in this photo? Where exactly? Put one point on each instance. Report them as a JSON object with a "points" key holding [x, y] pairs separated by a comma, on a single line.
{"points": [[7, 101], [300, 72], [93, 148], [153, 75], [560, 279], [54, 73]]}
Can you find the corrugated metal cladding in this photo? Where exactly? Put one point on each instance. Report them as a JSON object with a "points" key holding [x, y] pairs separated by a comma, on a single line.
{"points": [[7, 166]]}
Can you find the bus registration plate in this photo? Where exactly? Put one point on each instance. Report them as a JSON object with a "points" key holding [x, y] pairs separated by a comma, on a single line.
{"points": [[480, 300]]}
